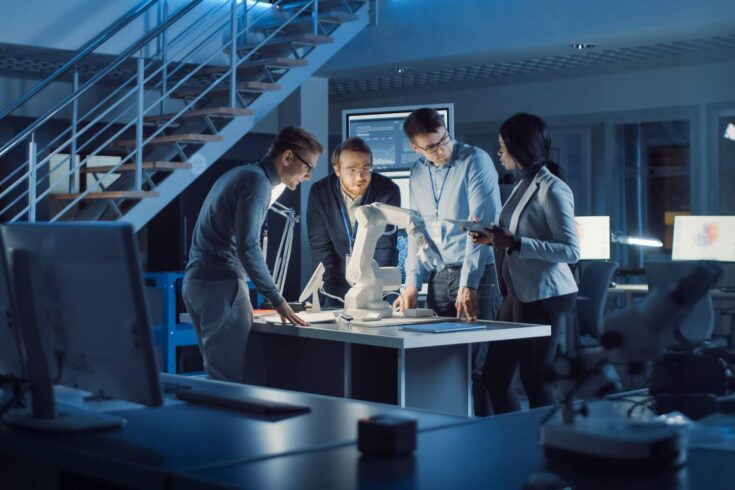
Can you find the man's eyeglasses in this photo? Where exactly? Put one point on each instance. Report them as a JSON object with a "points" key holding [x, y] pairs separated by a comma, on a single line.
{"points": [[354, 172], [435, 147], [308, 166]]}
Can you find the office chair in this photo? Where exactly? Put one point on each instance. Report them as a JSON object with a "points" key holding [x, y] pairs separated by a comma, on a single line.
{"points": [[591, 300]]}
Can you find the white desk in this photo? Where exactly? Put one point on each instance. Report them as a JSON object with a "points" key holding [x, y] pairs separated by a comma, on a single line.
{"points": [[385, 364]]}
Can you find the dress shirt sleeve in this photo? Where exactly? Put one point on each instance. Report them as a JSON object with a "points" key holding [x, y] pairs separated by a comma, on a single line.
{"points": [[483, 196]]}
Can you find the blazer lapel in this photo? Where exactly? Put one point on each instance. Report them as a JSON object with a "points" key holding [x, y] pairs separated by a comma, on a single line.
{"points": [[525, 199]]}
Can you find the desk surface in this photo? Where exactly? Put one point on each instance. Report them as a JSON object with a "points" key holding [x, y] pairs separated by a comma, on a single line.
{"points": [[181, 436], [716, 293], [496, 452], [394, 337]]}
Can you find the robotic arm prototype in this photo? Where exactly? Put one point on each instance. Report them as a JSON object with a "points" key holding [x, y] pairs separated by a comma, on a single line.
{"points": [[368, 280]]}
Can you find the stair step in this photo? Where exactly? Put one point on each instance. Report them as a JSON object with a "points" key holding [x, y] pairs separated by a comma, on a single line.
{"points": [[174, 138], [207, 111], [108, 195], [279, 62], [130, 167], [323, 4], [331, 17], [306, 39], [224, 88]]}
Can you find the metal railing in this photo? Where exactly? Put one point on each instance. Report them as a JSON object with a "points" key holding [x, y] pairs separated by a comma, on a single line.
{"points": [[175, 63]]}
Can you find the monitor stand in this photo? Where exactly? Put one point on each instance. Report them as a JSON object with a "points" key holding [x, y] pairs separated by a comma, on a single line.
{"points": [[43, 414]]}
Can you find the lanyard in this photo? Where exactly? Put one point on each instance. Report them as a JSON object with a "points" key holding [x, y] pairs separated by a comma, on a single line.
{"points": [[441, 191], [351, 233]]}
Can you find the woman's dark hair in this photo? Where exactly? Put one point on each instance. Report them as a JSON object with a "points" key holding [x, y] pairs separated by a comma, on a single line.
{"points": [[526, 138]]}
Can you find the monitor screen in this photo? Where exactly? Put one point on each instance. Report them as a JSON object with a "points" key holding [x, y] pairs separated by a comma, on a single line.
{"points": [[86, 292], [382, 130], [704, 238], [594, 237], [10, 351], [400, 177]]}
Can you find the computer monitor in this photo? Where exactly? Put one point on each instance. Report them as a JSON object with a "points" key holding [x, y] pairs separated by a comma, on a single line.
{"points": [[400, 177], [382, 129], [11, 357], [594, 237], [80, 287], [697, 325], [704, 238]]}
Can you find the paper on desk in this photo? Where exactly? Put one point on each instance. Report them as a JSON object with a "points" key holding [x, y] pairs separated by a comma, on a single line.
{"points": [[716, 431]]}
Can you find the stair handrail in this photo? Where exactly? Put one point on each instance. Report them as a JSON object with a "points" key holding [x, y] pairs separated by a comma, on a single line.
{"points": [[82, 53], [127, 53], [161, 128]]}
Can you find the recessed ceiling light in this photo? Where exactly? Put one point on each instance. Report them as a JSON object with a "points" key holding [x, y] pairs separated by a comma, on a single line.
{"points": [[402, 69], [582, 45]]}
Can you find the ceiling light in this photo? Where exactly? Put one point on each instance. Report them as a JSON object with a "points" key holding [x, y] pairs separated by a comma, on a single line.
{"points": [[730, 132], [582, 45], [401, 70]]}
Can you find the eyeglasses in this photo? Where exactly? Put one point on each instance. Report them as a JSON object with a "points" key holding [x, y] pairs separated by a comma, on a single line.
{"points": [[309, 167], [355, 171], [431, 149]]}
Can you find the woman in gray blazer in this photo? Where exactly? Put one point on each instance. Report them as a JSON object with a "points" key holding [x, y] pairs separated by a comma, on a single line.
{"points": [[534, 243]]}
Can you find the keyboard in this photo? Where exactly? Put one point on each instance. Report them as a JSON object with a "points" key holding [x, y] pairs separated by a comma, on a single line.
{"points": [[242, 403]]}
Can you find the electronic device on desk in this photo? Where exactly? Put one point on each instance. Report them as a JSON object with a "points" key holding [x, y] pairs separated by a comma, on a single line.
{"points": [[634, 336], [234, 401], [77, 290], [707, 238], [369, 281], [594, 237], [312, 288]]}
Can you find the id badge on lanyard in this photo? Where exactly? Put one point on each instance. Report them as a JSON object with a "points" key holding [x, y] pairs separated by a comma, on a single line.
{"points": [[434, 227]]}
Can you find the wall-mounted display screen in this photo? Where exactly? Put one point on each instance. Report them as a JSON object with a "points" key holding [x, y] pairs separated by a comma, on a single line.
{"points": [[382, 129]]}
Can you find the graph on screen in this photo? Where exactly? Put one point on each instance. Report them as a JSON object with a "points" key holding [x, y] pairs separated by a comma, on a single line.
{"points": [[594, 237], [704, 238]]}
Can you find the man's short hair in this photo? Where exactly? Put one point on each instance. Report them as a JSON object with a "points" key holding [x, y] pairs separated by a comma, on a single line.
{"points": [[355, 144], [422, 121], [295, 139]]}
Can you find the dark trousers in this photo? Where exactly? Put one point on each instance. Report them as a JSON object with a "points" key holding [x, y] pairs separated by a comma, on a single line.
{"points": [[531, 355], [441, 297]]}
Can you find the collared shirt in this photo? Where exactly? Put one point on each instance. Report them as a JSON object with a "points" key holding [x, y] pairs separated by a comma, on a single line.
{"points": [[226, 239], [465, 187], [351, 206]]}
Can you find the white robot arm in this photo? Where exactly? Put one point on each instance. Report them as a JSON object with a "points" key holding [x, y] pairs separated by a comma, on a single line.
{"points": [[368, 280]]}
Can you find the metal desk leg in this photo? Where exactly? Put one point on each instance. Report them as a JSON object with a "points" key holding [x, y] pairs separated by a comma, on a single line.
{"points": [[470, 405], [347, 370], [401, 377]]}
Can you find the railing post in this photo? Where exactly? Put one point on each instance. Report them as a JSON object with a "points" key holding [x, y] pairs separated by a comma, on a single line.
{"points": [[163, 45], [315, 17], [74, 123], [139, 126], [233, 52], [32, 179]]}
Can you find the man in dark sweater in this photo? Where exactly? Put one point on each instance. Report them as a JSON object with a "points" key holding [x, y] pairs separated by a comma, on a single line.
{"points": [[331, 213], [225, 249]]}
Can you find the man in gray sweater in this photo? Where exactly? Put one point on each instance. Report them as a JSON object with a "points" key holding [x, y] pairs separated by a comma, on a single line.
{"points": [[225, 249]]}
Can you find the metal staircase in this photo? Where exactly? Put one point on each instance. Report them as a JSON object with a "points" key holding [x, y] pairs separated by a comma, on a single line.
{"points": [[173, 102]]}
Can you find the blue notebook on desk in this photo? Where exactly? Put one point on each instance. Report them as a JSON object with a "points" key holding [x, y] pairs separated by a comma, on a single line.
{"points": [[443, 327]]}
